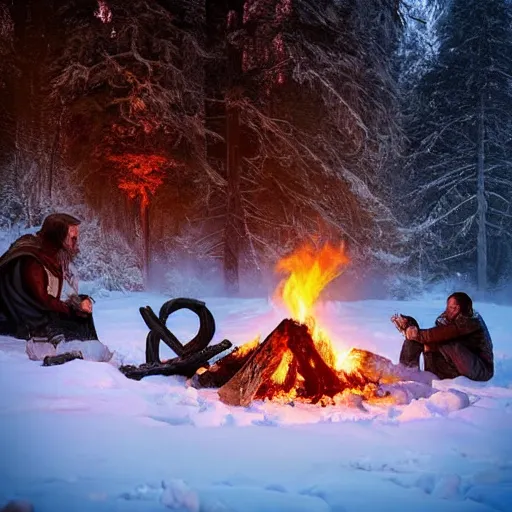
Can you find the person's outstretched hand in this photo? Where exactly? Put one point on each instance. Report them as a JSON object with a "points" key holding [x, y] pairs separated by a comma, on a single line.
{"points": [[400, 322]]}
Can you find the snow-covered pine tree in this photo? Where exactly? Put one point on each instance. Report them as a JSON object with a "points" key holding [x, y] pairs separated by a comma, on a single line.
{"points": [[419, 44], [8, 197], [460, 142], [314, 116], [27, 93], [131, 77]]}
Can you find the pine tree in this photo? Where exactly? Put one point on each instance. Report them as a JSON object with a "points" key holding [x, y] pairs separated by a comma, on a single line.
{"points": [[460, 142], [7, 69], [33, 41], [311, 95], [131, 78]]}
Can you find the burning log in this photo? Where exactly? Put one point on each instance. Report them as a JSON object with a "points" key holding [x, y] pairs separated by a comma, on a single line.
{"points": [[371, 367], [288, 364], [220, 372], [259, 368], [319, 378], [288, 359], [295, 360]]}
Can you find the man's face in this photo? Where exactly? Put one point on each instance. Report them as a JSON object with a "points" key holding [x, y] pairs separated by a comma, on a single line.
{"points": [[452, 309], [71, 241]]}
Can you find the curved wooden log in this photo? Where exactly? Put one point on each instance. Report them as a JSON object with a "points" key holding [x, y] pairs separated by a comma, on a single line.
{"points": [[206, 321], [185, 366], [158, 330]]}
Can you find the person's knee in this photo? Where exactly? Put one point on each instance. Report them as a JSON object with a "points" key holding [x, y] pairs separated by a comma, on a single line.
{"points": [[482, 375]]}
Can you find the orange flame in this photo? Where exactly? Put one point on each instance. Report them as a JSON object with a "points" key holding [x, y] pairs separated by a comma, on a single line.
{"points": [[282, 370], [247, 347], [309, 271]]}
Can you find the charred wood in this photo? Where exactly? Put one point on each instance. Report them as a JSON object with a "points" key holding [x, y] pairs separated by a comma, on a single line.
{"points": [[159, 331], [185, 366], [220, 372], [259, 368]]}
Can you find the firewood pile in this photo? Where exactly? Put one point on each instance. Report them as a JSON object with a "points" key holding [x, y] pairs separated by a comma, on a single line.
{"points": [[288, 364]]}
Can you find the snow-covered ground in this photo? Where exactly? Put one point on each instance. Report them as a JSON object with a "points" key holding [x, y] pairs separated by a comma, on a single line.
{"points": [[82, 437]]}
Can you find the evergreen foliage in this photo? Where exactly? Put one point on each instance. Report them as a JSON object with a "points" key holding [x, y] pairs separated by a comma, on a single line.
{"points": [[460, 142], [274, 122]]}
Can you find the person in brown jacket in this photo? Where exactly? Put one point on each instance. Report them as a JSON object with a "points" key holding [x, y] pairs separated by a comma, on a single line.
{"points": [[32, 274], [458, 345]]}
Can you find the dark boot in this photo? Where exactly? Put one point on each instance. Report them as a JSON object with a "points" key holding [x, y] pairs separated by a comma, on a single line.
{"points": [[62, 358]]}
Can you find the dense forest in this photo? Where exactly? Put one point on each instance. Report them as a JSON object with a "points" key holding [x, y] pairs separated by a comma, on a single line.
{"points": [[202, 140]]}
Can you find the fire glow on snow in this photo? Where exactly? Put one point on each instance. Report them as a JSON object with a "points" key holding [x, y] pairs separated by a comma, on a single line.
{"points": [[83, 437]]}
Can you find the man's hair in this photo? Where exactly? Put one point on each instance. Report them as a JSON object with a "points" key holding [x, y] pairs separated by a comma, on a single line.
{"points": [[464, 301], [55, 228]]}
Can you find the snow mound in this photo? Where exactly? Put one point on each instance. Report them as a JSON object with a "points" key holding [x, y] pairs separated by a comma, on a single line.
{"points": [[405, 392], [178, 495], [445, 402], [440, 403]]}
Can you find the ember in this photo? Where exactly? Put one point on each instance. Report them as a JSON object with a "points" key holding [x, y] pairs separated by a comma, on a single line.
{"points": [[297, 360]]}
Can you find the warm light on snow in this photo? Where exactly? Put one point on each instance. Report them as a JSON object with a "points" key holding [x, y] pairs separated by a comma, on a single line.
{"points": [[162, 444]]}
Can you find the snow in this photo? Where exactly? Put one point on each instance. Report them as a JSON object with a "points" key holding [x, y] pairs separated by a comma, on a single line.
{"points": [[83, 437]]}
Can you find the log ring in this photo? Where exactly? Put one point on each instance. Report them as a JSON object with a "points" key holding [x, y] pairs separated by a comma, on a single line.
{"points": [[159, 332]]}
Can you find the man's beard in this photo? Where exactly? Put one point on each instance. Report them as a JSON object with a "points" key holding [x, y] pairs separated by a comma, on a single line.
{"points": [[66, 257]]}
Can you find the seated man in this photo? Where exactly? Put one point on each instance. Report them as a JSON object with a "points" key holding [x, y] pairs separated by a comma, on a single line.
{"points": [[459, 344], [32, 274]]}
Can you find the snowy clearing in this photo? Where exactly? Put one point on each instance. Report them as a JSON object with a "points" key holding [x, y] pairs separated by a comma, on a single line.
{"points": [[83, 437]]}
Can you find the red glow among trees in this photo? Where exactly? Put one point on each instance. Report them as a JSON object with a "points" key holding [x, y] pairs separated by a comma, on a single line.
{"points": [[141, 175]]}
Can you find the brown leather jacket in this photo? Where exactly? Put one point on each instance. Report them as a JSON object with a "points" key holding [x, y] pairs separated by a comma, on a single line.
{"points": [[470, 331]]}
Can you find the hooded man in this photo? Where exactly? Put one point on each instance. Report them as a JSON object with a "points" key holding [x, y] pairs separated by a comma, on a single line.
{"points": [[32, 275], [458, 345]]}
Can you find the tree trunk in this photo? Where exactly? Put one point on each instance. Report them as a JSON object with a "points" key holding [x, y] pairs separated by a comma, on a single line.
{"points": [[53, 155], [233, 226], [481, 203], [144, 222], [232, 229], [32, 44]]}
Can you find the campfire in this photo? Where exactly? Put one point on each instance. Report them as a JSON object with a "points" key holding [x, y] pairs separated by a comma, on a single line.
{"points": [[297, 361]]}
